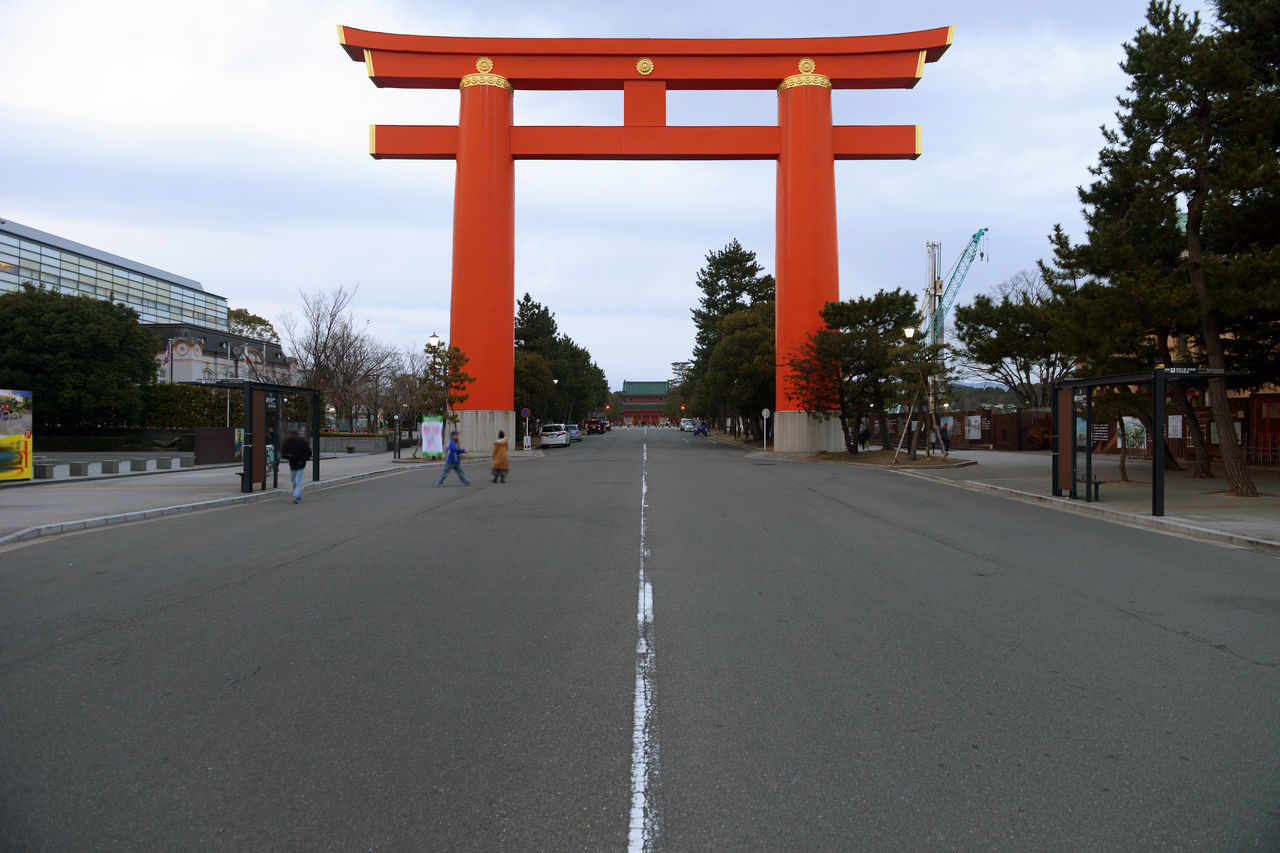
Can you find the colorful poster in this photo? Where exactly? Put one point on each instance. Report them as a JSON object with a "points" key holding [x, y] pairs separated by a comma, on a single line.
{"points": [[973, 427], [433, 437], [15, 435], [1133, 435]]}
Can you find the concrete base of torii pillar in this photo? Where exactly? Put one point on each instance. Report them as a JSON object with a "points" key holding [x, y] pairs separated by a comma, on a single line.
{"points": [[478, 430], [800, 432]]}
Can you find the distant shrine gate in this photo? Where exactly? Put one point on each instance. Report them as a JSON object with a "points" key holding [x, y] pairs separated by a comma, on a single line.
{"points": [[486, 145]]}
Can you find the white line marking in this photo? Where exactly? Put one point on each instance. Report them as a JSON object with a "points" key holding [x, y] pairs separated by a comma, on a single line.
{"points": [[643, 834]]}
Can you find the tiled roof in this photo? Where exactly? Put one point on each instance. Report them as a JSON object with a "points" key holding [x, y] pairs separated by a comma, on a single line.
{"points": [[629, 387]]}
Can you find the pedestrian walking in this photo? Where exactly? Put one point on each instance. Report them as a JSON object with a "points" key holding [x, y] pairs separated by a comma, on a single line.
{"points": [[298, 452], [501, 464], [453, 461], [864, 438]]}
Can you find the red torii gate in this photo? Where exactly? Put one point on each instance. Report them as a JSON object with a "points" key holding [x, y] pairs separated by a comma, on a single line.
{"points": [[486, 145]]}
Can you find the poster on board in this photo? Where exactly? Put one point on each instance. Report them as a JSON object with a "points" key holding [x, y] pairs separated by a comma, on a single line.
{"points": [[1133, 435], [433, 437], [15, 435]]}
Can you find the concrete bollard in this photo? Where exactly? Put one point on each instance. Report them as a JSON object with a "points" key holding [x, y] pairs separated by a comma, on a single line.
{"points": [[111, 466], [50, 471], [85, 469]]}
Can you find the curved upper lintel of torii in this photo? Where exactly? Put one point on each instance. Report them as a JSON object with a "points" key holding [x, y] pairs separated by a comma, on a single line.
{"points": [[849, 62]]}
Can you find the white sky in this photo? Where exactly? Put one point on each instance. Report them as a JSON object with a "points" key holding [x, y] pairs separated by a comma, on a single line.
{"points": [[228, 143]]}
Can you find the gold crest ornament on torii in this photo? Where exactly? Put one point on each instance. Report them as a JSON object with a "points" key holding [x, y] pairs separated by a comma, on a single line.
{"points": [[485, 143]]}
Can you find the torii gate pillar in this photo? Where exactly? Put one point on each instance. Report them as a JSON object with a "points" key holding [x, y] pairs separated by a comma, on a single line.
{"points": [[482, 317], [808, 268]]}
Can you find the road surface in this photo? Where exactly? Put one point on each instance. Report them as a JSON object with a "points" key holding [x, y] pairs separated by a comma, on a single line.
{"points": [[644, 641]]}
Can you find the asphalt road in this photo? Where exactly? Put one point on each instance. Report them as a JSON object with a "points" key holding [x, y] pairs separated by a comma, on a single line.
{"points": [[842, 659]]}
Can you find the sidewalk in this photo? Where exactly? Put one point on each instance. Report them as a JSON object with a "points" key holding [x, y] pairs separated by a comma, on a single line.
{"points": [[49, 507], [1201, 509]]}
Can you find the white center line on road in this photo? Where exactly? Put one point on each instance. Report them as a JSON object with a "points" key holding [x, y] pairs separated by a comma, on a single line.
{"points": [[643, 834]]}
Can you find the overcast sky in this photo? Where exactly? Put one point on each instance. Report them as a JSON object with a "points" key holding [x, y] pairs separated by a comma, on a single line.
{"points": [[228, 142]]}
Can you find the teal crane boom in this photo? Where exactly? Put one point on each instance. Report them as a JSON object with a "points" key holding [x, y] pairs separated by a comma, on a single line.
{"points": [[958, 273]]}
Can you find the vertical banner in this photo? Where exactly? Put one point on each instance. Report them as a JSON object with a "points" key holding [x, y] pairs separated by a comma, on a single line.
{"points": [[433, 437], [15, 435]]}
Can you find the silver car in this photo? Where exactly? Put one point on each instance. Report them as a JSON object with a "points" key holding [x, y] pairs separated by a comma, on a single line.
{"points": [[555, 435]]}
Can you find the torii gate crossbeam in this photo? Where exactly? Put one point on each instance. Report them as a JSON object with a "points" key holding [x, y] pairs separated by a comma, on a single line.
{"points": [[485, 143]]}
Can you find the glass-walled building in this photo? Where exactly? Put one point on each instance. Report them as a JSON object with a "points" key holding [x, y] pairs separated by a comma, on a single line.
{"points": [[58, 264]]}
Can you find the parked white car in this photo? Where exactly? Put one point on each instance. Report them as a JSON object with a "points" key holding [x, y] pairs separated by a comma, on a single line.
{"points": [[555, 435]]}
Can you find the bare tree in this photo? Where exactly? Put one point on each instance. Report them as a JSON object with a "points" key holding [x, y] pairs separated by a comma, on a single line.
{"points": [[1009, 338], [336, 354]]}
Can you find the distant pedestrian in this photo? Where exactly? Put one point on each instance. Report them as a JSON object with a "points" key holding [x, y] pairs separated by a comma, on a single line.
{"points": [[946, 438], [501, 464], [298, 452], [864, 438], [453, 460]]}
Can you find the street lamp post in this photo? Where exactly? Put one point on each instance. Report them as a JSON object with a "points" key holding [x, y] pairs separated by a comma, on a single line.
{"points": [[908, 333], [436, 342]]}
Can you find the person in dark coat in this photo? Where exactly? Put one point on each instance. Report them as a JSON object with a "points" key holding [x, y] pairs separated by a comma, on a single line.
{"points": [[298, 452]]}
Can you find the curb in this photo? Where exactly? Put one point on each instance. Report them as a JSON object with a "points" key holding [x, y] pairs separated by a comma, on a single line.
{"points": [[57, 528], [1159, 524], [790, 457]]}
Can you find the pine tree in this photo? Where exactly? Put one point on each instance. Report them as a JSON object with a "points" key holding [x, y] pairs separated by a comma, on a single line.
{"points": [[1186, 182], [731, 282], [857, 362]]}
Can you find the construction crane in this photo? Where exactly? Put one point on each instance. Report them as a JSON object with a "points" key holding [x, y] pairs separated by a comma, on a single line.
{"points": [[937, 298], [937, 302]]}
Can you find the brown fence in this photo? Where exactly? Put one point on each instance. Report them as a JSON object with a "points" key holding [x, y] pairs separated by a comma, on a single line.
{"points": [[1025, 429], [1032, 429]]}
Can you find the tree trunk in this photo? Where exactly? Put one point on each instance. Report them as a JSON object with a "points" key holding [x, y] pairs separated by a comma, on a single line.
{"points": [[1170, 463], [1203, 459], [850, 444], [1184, 405], [1124, 451], [1238, 480]]}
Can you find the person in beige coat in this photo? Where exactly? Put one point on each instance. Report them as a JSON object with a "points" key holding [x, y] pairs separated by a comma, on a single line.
{"points": [[500, 464]]}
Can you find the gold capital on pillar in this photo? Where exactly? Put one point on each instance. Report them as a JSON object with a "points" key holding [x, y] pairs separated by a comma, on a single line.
{"points": [[804, 80], [483, 77], [485, 80], [806, 77]]}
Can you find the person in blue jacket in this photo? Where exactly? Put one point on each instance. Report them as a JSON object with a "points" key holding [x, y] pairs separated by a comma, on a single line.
{"points": [[453, 461]]}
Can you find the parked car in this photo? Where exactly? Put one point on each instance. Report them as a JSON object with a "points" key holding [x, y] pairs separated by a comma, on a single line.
{"points": [[554, 435], [575, 434], [700, 428]]}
